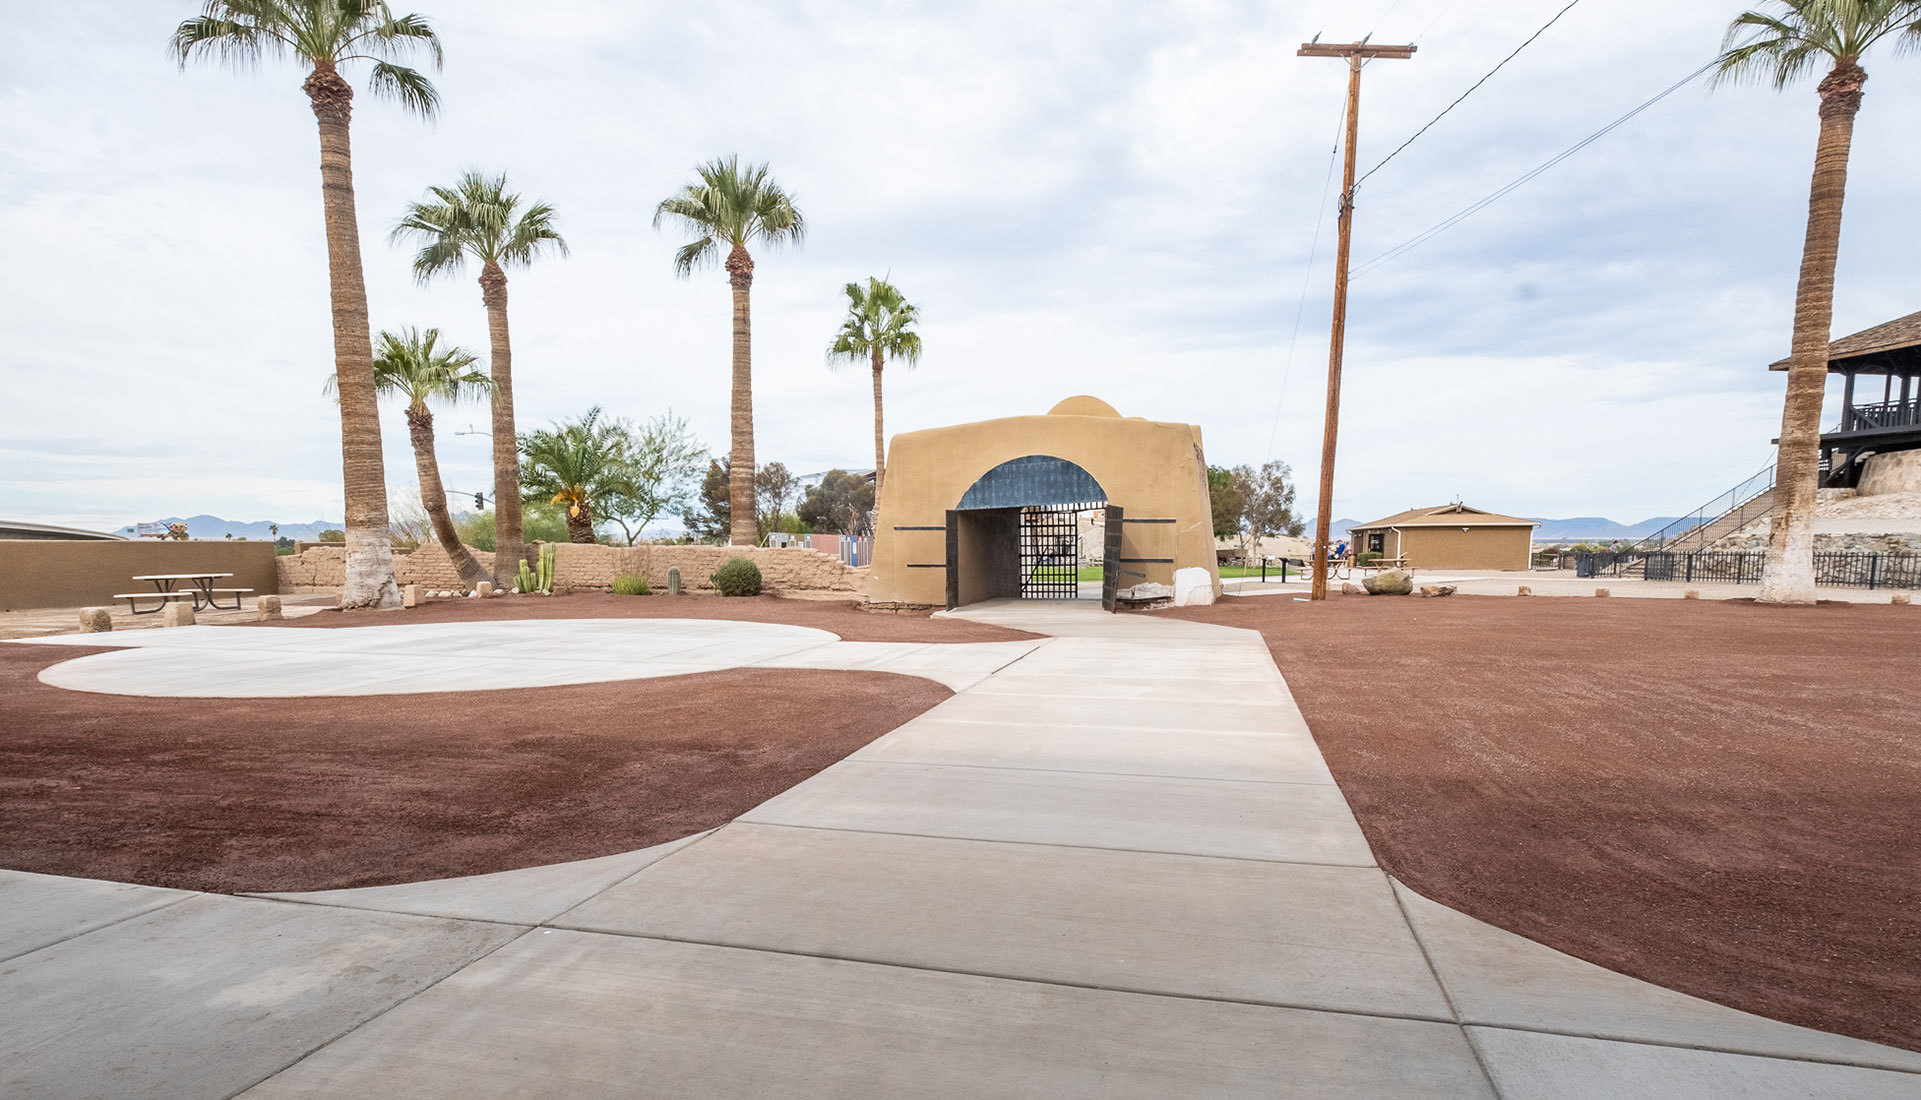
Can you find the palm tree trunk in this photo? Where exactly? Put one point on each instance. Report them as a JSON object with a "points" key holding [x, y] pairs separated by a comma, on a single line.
{"points": [[433, 496], [1788, 571], [580, 527], [880, 445], [740, 488], [369, 580], [510, 545]]}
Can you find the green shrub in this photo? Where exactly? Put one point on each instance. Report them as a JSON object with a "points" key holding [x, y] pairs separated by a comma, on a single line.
{"points": [[1369, 557], [737, 577], [629, 584]]}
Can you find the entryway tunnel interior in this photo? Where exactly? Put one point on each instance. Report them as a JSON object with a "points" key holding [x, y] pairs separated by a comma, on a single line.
{"points": [[1017, 532]]}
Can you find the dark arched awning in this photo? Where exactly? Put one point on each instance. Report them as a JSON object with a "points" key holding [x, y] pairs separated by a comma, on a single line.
{"points": [[1033, 480]]}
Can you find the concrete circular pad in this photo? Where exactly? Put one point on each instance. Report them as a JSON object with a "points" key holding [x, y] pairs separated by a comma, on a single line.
{"points": [[228, 662]]}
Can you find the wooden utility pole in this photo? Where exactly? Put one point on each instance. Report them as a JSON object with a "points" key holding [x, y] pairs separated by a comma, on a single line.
{"points": [[1357, 54]]}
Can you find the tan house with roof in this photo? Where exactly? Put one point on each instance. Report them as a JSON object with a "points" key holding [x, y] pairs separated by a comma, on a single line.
{"points": [[1451, 536]]}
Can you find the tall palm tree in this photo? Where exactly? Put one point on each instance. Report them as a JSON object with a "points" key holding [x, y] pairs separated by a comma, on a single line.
{"points": [[732, 205], [1793, 39], [327, 34], [479, 218], [579, 464], [411, 364], [878, 327]]}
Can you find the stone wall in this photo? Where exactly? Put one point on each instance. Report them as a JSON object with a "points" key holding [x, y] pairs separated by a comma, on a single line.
{"points": [[324, 567], [791, 569], [1896, 472], [1840, 543]]}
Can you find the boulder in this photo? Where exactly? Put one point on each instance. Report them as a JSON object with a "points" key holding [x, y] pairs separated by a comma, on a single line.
{"points": [[1349, 588], [1691, 594], [1145, 592], [178, 613], [484, 590], [266, 608], [1899, 601], [1601, 593], [1432, 590], [1193, 587], [95, 620], [1392, 582], [410, 595], [1525, 591]]}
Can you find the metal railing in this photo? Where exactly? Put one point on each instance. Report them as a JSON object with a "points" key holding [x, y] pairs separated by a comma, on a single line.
{"points": [[1886, 414], [1836, 570], [1739, 506]]}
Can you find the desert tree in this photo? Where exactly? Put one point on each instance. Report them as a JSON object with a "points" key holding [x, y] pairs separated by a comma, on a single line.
{"points": [[325, 36], [725, 208], [1785, 42], [879, 326], [481, 219]]}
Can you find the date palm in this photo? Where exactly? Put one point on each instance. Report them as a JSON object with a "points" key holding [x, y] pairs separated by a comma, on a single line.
{"points": [[579, 464], [478, 218], [327, 35], [411, 364], [1789, 40], [727, 207], [879, 326]]}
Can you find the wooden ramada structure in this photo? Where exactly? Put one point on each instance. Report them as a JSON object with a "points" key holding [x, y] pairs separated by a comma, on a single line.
{"points": [[1871, 427]]}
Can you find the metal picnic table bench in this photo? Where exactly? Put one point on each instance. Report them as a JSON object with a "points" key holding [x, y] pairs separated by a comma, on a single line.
{"points": [[200, 589]]}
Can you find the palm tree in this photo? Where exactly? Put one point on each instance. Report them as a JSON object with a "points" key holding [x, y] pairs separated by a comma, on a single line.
{"points": [[734, 205], [1798, 38], [479, 218], [327, 34], [578, 464], [411, 365], [878, 327]]}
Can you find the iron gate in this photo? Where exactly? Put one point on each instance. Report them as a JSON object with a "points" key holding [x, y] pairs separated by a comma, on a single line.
{"points": [[1050, 547]]}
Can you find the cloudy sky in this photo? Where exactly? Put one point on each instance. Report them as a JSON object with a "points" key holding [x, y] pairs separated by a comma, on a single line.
{"points": [[1112, 198]]}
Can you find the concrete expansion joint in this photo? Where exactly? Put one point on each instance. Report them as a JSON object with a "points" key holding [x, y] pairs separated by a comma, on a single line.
{"points": [[1060, 845], [149, 911]]}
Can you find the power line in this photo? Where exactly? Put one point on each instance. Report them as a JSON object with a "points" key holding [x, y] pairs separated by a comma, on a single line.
{"points": [[1313, 251], [1469, 92], [1434, 231]]}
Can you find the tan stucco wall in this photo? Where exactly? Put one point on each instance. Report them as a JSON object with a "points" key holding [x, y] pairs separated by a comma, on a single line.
{"points": [[1152, 469], [1478, 548], [58, 573]]}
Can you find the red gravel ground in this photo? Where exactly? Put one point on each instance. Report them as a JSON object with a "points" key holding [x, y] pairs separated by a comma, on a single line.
{"points": [[1718, 797], [319, 793]]}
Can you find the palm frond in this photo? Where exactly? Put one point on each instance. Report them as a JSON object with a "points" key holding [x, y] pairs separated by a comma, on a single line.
{"points": [[1797, 38], [733, 204], [409, 87]]}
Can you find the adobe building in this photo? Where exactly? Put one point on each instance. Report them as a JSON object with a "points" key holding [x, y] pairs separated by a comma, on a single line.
{"points": [[1451, 536], [995, 508]]}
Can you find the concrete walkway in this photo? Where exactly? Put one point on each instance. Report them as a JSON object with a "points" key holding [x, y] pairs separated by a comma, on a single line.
{"points": [[1560, 582], [1116, 867]]}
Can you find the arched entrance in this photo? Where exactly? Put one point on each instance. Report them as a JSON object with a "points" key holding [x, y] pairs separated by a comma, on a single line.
{"points": [[1020, 530]]}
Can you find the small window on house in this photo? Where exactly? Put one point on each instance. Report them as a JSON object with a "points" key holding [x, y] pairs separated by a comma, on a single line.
{"points": [[1376, 542]]}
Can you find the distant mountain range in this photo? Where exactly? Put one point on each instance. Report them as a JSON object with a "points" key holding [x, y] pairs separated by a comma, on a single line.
{"points": [[213, 527], [1577, 529]]}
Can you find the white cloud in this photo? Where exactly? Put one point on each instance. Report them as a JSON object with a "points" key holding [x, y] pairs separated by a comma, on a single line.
{"points": [[1085, 197]]}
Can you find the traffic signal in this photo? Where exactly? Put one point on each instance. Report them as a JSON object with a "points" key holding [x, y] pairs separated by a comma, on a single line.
{"points": [[480, 502]]}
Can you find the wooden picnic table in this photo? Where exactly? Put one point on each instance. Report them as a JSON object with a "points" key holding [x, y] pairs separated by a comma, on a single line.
{"points": [[165, 590]]}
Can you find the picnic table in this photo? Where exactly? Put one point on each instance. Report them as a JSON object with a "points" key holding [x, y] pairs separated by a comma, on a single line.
{"points": [[199, 589]]}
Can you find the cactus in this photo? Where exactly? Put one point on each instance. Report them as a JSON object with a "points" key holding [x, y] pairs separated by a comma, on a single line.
{"points": [[524, 582], [547, 568], [673, 581]]}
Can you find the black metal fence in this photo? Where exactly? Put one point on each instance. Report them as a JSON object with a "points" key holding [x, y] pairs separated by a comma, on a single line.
{"points": [[1833, 569]]}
